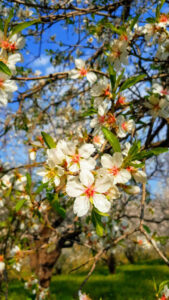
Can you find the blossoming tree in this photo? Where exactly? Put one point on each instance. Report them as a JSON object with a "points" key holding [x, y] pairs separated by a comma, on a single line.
{"points": [[88, 131]]}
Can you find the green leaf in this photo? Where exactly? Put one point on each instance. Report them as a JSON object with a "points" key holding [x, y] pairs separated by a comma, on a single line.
{"points": [[23, 26], [150, 153], [147, 229], [112, 76], [96, 219], [157, 12], [7, 21], [159, 150], [135, 148], [134, 21], [48, 140], [20, 204], [11, 14], [54, 202], [100, 213], [91, 111], [1, 25], [119, 78], [131, 81], [5, 69], [162, 3], [112, 139], [28, 184], [61, 211], [151, 20], [114, 29], [41, 187]]}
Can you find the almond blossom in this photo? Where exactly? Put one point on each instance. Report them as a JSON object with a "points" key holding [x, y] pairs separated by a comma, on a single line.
{"points": [[142, 241], [2, 264], [163, 20], [159, 89], [157, 107], [118, 53], [10, 59], [7, 87], [98, 140], [81, 71], [51, 175], [15, 251], [165, 293], [124, 126], [54, 169], [151, 31], [112, 166], [132, 189], [6, 181], [89, 190], [103, 118], [21, 181], [11, 43], [138, 175], [83, 296], [101, 91], [163, 51], [79, 158]]}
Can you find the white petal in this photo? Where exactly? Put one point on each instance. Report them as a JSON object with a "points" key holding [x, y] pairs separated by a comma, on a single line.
{"points": [[132, 189], [101, 203], [87, 164], [86, 150], [74, 188], [107, 161], [140, 176], [41, 172], [81, 206], [86, 178], [102, 184], [56, 181], [3, 98], [117, 159], [122, 177], [91, 77], [113, 192], [73, 167], [79, 63], [93, 122], [20, 43], [74, 74], [120, 119], [121, 133], [10, 86]]}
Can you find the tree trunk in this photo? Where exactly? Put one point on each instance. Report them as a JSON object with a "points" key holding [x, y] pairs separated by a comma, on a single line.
{"points": [[111, 262], [42, 261]]}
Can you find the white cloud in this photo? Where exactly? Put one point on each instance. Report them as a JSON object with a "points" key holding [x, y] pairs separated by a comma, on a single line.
{"points": [[42, 61]]}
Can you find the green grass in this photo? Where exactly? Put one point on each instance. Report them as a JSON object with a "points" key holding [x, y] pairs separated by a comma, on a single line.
{"points": [[131, 282]]}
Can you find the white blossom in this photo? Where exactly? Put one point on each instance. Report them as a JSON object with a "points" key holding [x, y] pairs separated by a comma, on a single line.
{"points": [[118, 53], [11, 43], [88, 190], [79, 158], [124, 126], [113, 167], [7, 87], [100, 91], [157, 107], [81, 71], [159, 89]]}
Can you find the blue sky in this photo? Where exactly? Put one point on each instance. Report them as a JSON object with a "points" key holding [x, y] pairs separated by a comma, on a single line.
{"points": [[41, 61]]}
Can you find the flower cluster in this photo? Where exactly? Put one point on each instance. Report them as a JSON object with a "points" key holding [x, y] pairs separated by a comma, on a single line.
{"points": [[9, 55], [165, 293]]}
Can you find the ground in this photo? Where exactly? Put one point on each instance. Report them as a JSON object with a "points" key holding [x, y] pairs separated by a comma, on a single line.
{"points": [[131, 282]]}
